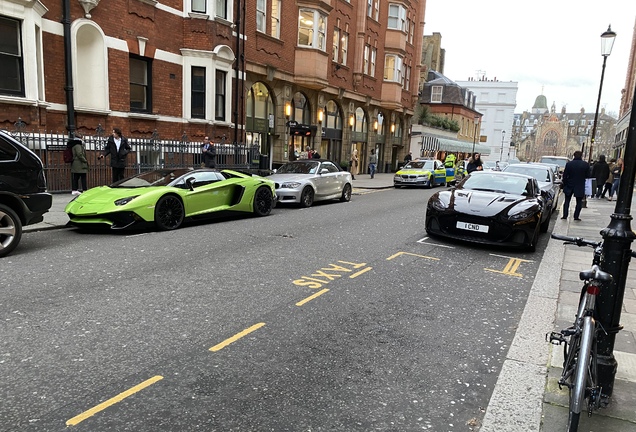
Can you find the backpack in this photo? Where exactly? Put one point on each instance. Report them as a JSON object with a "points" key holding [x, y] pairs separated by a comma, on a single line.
{"points": [[68, 155]]}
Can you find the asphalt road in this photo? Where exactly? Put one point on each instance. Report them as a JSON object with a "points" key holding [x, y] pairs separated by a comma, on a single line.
{"points": [[341, 317]]}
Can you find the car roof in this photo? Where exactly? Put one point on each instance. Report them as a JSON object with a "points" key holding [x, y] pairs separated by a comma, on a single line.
{"points": [[500, 173]]}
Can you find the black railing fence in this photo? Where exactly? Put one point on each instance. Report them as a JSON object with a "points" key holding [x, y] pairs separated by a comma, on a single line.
{"points": [[148, 153]]}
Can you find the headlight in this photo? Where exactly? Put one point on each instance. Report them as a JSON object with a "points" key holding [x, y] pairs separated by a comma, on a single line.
{"points": [[439, 205], [124, 201], [397, 176], [290, 185], [525, 214]]}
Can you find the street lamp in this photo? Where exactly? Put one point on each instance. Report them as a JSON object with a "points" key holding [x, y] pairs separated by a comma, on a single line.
{"points": [[475, 134], [607, 42], [503, 133], [617, 239]]}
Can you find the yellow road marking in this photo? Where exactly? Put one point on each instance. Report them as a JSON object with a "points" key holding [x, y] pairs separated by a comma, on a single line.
{"points": [[510, 269], [311, 297], [236, 337], [121, 396], [409, 253], [356, 274]]}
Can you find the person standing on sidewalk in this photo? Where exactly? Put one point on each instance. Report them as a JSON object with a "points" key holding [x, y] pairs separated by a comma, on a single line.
{"points": [[79, 166], [600, 172], [118, 148], [574, 176], [373, 163], [209, 153], [617, 170], [354, 164]]}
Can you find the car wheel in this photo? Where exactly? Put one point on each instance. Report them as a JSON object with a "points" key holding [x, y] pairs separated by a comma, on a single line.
{"points": [[263, 201], [431, 182], [10, 230], [346, 193], [169, 213], [307, 197]]}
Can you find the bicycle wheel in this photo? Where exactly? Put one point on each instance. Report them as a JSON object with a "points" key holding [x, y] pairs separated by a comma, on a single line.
{"points": [[580, 378]]}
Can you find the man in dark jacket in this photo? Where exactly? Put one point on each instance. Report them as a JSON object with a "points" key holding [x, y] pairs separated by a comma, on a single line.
{"points": [[118, 148], [574, 176], [209, 153], [601, 172]]}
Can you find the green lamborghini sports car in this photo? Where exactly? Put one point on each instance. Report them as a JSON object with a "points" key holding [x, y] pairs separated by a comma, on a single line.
{"points": [[165, 198]]}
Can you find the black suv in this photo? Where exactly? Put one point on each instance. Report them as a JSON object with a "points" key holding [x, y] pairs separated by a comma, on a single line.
{"points": [[23, 197]]}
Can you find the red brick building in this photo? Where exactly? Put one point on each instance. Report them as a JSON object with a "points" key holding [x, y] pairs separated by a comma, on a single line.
{"points": [[331, 74]]}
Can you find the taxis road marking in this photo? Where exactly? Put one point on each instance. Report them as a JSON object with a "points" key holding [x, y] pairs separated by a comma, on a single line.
{"points": [[236, 337], [311, 297], [412, 254], [511, 268], [121, 396], [356, 274]]}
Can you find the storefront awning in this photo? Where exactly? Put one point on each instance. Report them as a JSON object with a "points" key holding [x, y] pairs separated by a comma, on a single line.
{"points": [[433, 143]]}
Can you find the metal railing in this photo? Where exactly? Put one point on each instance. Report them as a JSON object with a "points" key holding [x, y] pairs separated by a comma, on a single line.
{"points": [[148, 153]]}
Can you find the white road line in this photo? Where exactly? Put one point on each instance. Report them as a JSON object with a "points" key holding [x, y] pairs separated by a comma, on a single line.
{"points": [[421, 241], [509, 257]]}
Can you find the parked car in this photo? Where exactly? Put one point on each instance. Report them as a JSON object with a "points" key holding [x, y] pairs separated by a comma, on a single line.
{"points": [[305, 181], [555, 160], [421, 172], [23, 196], [548, 182], [490, 207], [165, 198]]}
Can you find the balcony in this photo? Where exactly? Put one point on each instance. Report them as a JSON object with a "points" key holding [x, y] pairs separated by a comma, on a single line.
{"points": [[310, 69], [391, 95]]}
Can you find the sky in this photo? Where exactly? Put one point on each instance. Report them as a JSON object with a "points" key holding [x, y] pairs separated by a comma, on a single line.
{"points": [[549, 47]]}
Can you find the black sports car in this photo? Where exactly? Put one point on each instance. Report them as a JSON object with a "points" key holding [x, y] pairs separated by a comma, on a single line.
{"points": [[490, 207]]}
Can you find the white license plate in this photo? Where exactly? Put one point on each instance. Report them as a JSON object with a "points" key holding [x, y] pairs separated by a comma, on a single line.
{"points": [[472, 227], [410, 180]]}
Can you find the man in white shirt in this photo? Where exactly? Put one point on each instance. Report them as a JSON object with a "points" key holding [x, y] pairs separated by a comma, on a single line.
{"points": [[118, 148]]}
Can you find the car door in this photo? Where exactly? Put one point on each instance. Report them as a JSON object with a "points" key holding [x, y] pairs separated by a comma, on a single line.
{"points": [[332, 178], [209, 193], [439, 171]]}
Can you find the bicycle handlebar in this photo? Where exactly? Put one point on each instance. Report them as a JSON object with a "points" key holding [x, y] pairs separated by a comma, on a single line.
{"points": [[579, 241]]}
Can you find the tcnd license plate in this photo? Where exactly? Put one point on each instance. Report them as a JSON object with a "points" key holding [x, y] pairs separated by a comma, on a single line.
{"points": [[472, 227]]}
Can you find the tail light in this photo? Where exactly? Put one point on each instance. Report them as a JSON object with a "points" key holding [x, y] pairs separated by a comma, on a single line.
{"points": [[593, 289]]}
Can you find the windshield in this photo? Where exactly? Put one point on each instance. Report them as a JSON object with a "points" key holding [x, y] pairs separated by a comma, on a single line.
{"points": [[554, 160], [420, 165], [152, 178], [498, 183], [541, 174], [299, 168]]}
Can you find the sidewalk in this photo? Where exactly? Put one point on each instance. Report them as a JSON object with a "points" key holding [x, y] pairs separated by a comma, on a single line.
{"points": [[527, 395]]}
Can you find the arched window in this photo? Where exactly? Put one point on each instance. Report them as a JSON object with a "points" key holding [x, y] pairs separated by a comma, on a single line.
{"points": [[333, 116], [259, 103], [361, 121], [90, 67], [301, 111], [381, 125], [551, 139]]}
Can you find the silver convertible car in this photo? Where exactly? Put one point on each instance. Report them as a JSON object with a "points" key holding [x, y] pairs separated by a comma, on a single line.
{"points": [[307, 180]]}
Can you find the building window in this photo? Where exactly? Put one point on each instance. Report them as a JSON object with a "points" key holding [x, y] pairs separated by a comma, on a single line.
{"points": [[219, 101], [436, 94], [369, 8], [412, 31], [336, 44], [397, 17], [376, 12], [367, 54], [261, 12], [374, 53], [140, 84], [198, 92], [407, 78], [11, 63], [199, 6], [393, 68], [344, 44], [221, 9], [311, 29], [275, 19]]}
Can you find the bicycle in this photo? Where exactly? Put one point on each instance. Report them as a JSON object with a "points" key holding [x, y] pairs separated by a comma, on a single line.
{"points": [[579, 340]]}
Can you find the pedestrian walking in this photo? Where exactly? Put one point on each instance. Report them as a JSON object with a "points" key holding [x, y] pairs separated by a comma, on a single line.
{"points": [[475, 163], [574, 176], [600, 172], [209, 153], [354, 164], [617, 171], [79, 166], [607, 187], [118, 148], [373, 163]]}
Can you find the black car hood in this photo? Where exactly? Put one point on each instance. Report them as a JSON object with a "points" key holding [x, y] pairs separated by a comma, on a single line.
{"points": [[481, 203]]}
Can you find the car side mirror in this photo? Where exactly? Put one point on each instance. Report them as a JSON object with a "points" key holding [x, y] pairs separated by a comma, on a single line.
{"points": [[190, 182]]}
